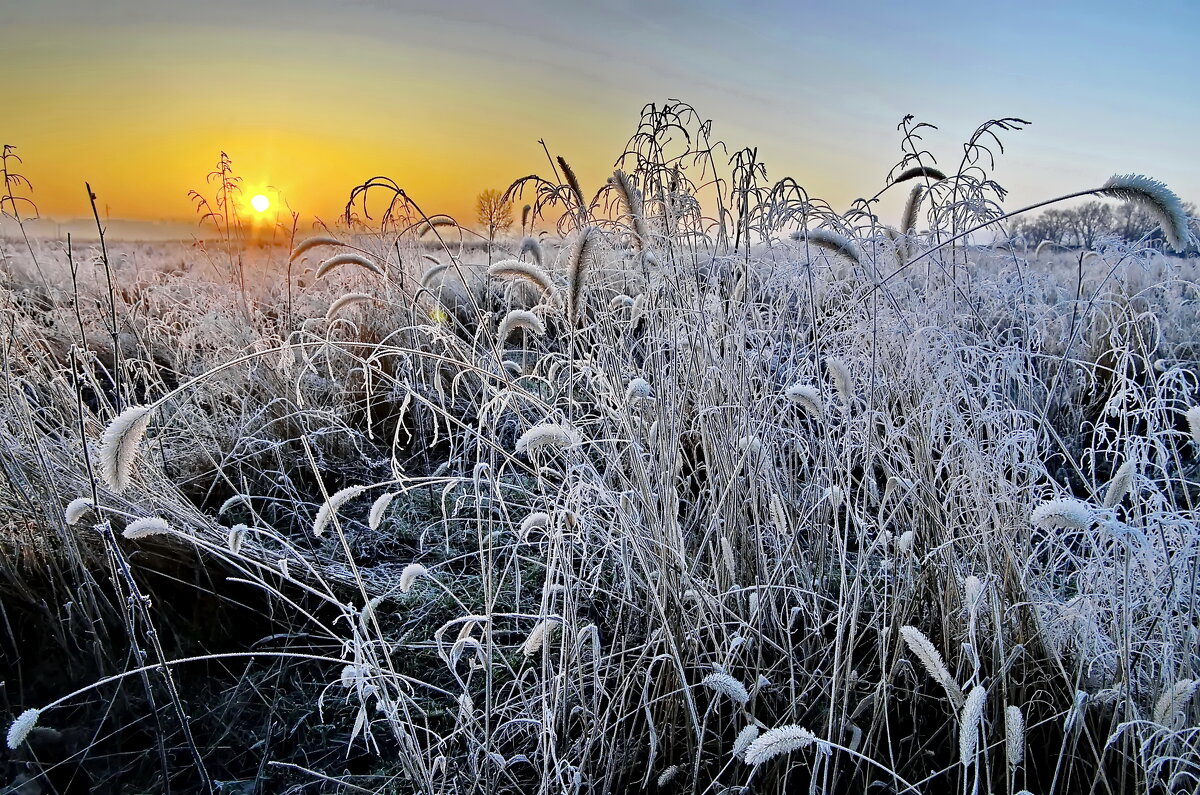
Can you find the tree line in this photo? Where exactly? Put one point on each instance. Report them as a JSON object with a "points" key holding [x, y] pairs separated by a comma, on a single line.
{"points": [[1086, 225]]}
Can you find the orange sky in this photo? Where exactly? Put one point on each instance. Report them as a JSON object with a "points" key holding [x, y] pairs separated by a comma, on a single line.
{"points": [[142, 114], [139, 96]]}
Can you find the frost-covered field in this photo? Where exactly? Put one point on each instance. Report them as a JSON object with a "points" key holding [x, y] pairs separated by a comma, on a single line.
{"points": [[661, 502]]}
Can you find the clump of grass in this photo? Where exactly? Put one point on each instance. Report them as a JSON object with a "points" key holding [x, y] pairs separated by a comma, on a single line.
{"points": [[707, 525]]}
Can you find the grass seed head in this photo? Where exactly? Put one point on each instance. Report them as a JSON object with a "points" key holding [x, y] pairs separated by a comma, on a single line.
{"points": [[119, 446]]}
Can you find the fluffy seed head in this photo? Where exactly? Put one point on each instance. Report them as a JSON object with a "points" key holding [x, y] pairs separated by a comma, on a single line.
{"points": [[531, 246], [927, 172], [1157, 199], [581, 257], [842, 381], [807, 398], [727, 686], [667, 776], [237, 534], [519, 319], [907, 539], [515, 269], [1122, 481], [148, 526], [1014, 736], [970, 720], [638, 389], [908, 222], [547, 435], [433, 222], [345, 302], [834, 495], [1193, 421], [237, 499], [746, 736], [929, 656], [1062, 514], [537, 637], [379, 508], [336, 501], [777, 742], [428, 277], [76, 508], [831, 241], [1173, 702], [534, 521], [311, 243], [21, 727], [573, 183], [119, 445], [973, 589], [631, 201], [412, 572], [348, 258]]}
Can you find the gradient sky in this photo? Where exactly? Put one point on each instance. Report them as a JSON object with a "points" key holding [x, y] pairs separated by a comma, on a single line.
{"points": [[139, 96]]}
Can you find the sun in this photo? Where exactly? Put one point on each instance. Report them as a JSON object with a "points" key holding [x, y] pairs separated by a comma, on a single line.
{"points": [[260, 203]]}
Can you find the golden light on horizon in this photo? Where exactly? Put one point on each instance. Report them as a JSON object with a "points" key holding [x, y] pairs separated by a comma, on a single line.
{"points": [[260, 203]]}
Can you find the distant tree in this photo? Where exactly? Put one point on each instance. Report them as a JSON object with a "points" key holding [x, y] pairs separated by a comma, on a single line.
{"points": [[1088, 222], [1051, 225], [494, 213]]}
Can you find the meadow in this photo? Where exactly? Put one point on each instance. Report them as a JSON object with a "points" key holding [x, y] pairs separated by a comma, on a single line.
{"points": [[695, 484]]}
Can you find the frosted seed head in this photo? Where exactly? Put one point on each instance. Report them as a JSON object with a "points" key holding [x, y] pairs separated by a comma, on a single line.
{"points": [[412, 572], [148, 526], [21, 727], [1157, 199], [727, 686], [76, 509], [547, 436], [119, 445], [1062, 514]]}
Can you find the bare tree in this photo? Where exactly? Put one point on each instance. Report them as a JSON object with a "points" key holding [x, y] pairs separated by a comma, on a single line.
{"points": [[1088, 222], [494, 213]]}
